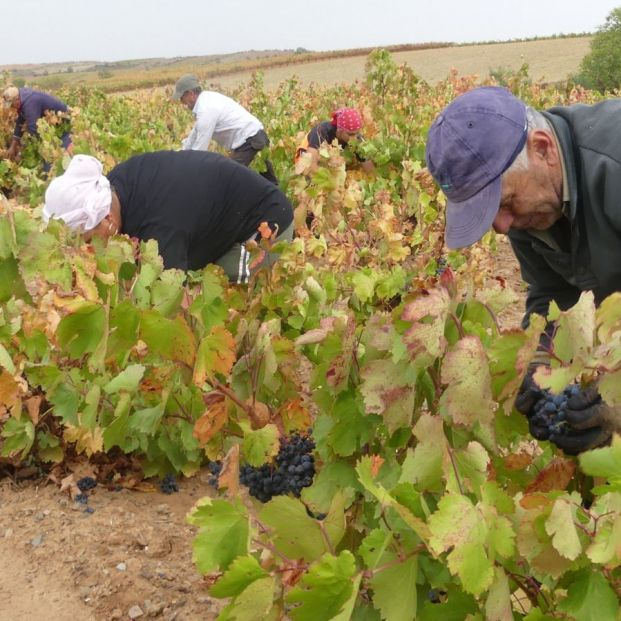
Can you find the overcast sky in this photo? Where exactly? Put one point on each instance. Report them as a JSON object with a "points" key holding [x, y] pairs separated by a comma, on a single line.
{"points": [[35, 31]]}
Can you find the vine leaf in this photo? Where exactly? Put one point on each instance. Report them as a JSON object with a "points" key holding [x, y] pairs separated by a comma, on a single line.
{"points": [[562, 528], [326, 589], [394, 590], [244, 570], [223, 536], [590, 598], [468, 395], [216, 355]]}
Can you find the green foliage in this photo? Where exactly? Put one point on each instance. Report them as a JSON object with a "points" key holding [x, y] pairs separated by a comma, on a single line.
{"points": [[437, 505], [601, 67]]}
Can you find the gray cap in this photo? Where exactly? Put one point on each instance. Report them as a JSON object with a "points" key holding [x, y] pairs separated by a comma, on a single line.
{"points": [[185, 83]]}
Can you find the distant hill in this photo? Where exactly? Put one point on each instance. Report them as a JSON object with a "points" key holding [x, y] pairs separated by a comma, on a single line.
{"points": [[560, 57]]}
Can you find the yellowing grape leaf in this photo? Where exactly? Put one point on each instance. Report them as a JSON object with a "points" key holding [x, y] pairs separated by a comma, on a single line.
{"points": [[562, 528], [467, 398]]}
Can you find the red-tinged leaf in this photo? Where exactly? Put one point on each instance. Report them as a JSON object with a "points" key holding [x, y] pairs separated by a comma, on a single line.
{"points": [[216, 355], [265, 230], [312, 337], [376, 463], [338, 371], [555, 476], [518, 461], [428, 312], [211, 422]]}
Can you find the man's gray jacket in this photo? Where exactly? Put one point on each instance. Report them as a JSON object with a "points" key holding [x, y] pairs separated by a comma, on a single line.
{"points": [[588, 252]]}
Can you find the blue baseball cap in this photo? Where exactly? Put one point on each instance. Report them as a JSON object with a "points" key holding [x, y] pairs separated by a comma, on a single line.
{"points": [[469, 145]]}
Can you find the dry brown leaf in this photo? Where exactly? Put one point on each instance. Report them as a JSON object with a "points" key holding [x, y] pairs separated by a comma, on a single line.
{"points": [[555, 476], [229, 475], [210, 423]]}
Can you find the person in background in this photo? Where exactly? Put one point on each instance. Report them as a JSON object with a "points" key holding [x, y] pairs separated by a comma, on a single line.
{"points": [[32, 105], [551, 181], [345, 125], [200, 207], [222, 119]]}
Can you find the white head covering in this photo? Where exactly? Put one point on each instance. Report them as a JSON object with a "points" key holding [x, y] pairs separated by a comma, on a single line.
{"points": [[81, 197], [9, 95]]}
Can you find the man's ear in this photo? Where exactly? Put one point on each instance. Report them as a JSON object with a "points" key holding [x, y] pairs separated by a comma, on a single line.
{"points": [[543, 144]]}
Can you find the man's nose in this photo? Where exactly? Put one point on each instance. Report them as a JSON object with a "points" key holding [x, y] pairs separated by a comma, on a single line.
{"points": [[503, 221]]}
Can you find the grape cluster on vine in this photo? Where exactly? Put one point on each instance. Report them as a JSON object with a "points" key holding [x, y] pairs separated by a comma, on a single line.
{"points": [[550, 413], [292, 470]]}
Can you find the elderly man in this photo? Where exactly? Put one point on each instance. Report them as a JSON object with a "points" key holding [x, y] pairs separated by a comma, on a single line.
{"points": [[200, 207], [551, 181], [32, 105], [222, 119]]}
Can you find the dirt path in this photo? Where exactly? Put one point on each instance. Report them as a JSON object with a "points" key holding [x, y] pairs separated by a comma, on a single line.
{"points": [[60, 563]]}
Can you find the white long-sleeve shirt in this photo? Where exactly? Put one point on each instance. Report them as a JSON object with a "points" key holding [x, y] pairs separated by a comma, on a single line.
{"points": [[221, 118]]}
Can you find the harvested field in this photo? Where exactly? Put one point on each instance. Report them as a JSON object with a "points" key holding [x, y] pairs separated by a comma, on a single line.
{"points": [[550, 60]]}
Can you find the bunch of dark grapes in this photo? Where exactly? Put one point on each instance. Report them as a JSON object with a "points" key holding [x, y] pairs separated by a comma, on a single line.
{"points": [[441, 265], [292, 470], [550, 412], [215, 467], [168, 484], [86, 483]]}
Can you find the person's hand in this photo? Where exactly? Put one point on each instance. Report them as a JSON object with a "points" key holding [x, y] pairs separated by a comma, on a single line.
{"points": [[590, 422], [528, 396], [13, 151]]}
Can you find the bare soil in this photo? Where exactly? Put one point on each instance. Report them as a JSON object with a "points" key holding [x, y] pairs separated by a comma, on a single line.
{"points": [[131, 555]]}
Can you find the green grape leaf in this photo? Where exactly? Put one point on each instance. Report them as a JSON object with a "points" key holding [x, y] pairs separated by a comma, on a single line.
{"points": [[590, 598], [604, 462], [128, 380], [243, 571], [170, 338], [325, 589], [19, 435], [260, 445], [147, 420], [223, 536], [295, 533], [82, 331], [394, 590], [458, 526], [365, 470]]}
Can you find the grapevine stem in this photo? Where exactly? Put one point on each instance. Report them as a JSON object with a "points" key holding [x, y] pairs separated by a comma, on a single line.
{"points": [[460, 328], [452, 456]]}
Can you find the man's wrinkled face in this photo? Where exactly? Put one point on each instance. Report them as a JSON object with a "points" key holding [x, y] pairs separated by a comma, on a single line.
{"points": [[531, 198]]}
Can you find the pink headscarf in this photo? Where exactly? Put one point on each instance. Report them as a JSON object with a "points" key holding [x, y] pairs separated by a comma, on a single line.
{"points": [[348, 119]]}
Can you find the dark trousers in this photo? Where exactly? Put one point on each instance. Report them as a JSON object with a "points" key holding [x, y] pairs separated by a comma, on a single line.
{"points": [[245, 154]]}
